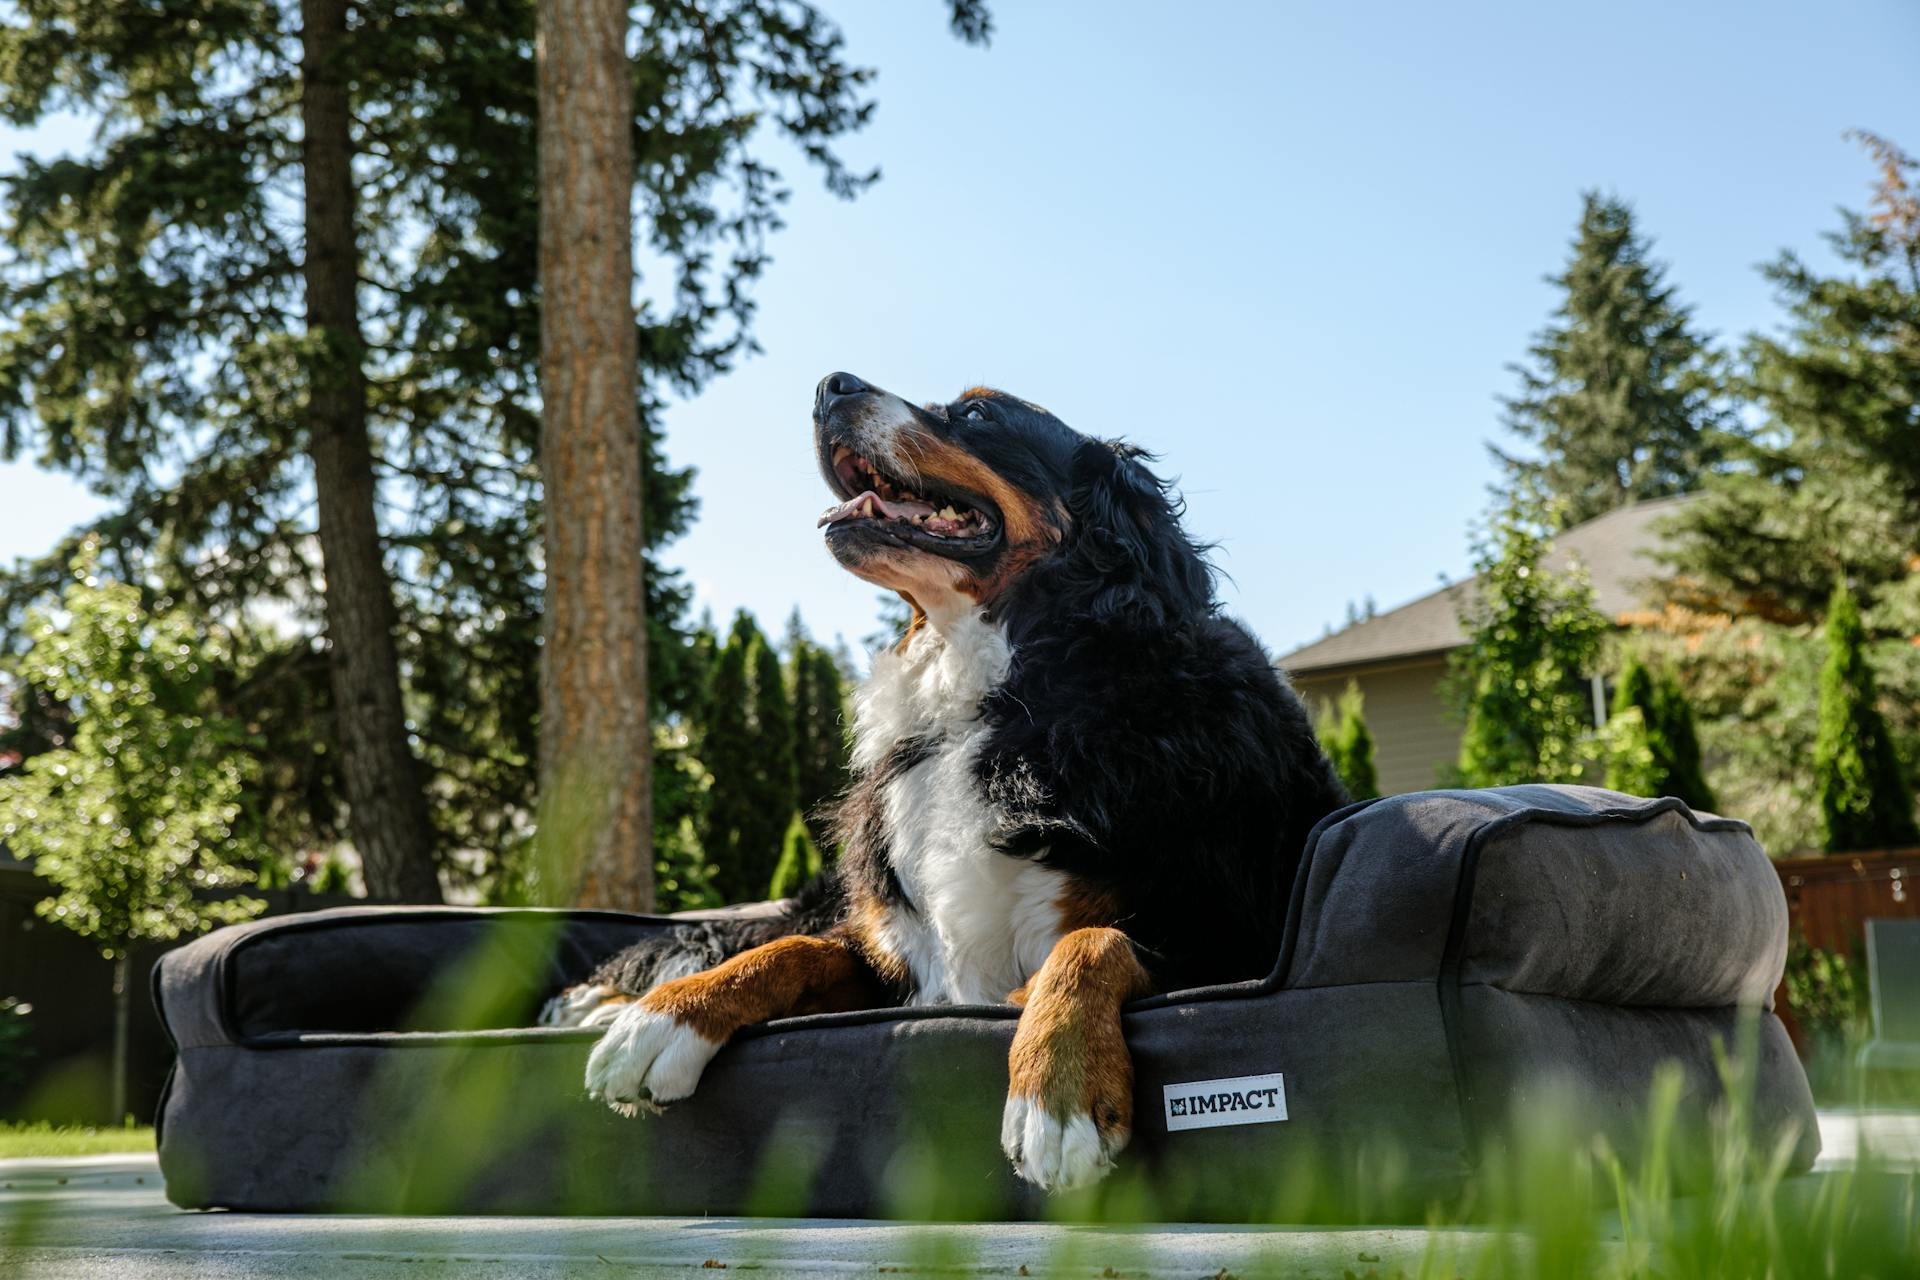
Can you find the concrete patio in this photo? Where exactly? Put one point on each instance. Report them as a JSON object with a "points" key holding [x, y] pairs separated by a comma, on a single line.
{"points": [[107, 1217]]}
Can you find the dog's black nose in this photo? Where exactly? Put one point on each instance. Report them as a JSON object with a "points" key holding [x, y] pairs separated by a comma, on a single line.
{"points": [[837, 386]]}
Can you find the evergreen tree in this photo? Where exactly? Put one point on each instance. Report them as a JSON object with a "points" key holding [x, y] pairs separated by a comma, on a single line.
{"points": [[1344, 736], [1519, 683], [819, 729], [1653, 748], [777, 774], [800, 861], [1618, 400], [747, 747], [1865, 802], [1827, 488], [1686, 776], [221, 366]]}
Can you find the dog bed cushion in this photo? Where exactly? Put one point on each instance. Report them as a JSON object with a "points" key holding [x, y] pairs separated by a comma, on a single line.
{"points": [[1447, 955]]}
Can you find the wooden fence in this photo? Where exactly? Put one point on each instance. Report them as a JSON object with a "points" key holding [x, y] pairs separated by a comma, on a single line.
{"points": [[1830, 898]]}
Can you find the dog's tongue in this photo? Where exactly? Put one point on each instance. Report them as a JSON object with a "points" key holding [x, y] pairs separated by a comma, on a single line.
{"points": [[872, 506]]}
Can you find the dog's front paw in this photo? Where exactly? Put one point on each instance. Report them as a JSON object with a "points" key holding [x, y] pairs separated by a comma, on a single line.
{"points": [[1058, 1150], [646, 1060]]}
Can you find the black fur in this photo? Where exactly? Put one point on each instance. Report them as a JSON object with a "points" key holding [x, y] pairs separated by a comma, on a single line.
{"points": [[1142, 742]]}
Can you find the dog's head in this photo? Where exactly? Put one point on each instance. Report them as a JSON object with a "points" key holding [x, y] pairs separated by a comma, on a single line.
{"points": [[994, 501]]}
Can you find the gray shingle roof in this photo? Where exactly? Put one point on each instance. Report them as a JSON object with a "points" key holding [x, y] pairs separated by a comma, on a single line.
{"points": [[1616, 549]]}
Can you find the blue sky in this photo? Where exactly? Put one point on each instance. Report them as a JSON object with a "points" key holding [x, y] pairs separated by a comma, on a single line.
{"points": [[1290, 247]]}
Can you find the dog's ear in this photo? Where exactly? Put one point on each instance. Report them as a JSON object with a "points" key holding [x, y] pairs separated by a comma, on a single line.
{"points": [[1126, 532]]}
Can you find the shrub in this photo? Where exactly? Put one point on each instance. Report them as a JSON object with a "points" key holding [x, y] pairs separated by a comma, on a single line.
{"points": [[799, 860], [1344, 736], [1864, 800]]}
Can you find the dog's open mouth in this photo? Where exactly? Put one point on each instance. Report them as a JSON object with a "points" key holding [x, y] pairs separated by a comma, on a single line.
{"points": [[874, 500]]}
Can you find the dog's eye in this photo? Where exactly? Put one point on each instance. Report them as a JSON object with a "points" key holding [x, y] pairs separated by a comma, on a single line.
{"points": [[975, 413]]}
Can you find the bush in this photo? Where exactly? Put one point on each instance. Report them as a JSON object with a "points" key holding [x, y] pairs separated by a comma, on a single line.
{"points": [[1864, 800], [1342, 729], [800, 861], [1651, 745]]}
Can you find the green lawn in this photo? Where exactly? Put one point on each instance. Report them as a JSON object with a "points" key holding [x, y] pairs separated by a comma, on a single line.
{"points": [[71, 1140]]}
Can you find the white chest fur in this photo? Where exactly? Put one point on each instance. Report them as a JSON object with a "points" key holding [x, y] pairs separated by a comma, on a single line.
{"points": [[982, 922]]}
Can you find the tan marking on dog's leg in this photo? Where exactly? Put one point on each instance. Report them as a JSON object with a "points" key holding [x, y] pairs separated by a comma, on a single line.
{"points": [[1070, 1079]]}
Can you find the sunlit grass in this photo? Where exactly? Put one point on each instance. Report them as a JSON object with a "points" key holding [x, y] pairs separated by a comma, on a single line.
{"points": [[25, 1141]]}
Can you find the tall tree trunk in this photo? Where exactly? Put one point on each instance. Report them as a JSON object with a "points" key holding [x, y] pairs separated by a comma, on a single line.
{"points": [[122, 1003], [387, 809], [595, 790]]}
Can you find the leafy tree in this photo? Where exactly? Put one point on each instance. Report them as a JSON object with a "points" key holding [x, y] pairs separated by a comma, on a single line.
{"points": [[1519, 683], [800, 861], [1865, 802], [1618, 400], [1344, 736], [747, 747], [1653, 748], [139, 811], [821, 753], [284, 314]]}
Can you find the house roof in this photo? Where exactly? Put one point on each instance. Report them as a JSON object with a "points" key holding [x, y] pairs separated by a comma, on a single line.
{"points": [[1616, 548]]}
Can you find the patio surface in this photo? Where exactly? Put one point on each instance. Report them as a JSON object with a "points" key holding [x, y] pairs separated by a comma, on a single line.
{"points": [[107, 1217]]}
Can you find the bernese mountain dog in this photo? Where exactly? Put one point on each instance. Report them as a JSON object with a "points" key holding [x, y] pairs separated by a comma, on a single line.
{"points": [[1075, 781]]}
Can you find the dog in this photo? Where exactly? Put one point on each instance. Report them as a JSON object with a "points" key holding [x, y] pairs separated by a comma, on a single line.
{"points": [[1075, 782]]}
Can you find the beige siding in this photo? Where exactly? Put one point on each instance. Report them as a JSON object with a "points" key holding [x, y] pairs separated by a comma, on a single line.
{"points": [[1412, 734]]}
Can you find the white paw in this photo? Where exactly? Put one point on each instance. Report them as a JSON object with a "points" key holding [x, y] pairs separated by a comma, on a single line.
{"points": [[1054, 1153], [646, 1059]]}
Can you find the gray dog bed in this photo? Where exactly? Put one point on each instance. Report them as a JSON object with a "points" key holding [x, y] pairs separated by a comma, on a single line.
{"points": [[1446, 955]]}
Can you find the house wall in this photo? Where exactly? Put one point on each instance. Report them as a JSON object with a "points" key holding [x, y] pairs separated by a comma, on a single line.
{"points": [[1412, 733]]}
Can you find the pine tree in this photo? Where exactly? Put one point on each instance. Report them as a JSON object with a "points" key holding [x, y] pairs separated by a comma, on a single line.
{"points": [[800, 861], [595, 735], [819, 729], [1686, 776], [221, 370], [1827, 488], [1652, 746], [1618, 400], [747, 747], [1865, 802], [1344, 736], [1519, 683], [777, 774]]}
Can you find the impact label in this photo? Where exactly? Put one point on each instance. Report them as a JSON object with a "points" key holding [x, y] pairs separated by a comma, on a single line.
{"points": [[1212, 1104]]}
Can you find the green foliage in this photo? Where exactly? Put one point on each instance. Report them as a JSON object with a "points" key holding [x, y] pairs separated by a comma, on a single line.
{"points": [[1826, 489], [141, 808], [1824, 991], [1619, 399], [821, 751], [153, 343], [747, 747], [1865, 802], [1519, 683], [1342, 729], [800, 861], [683, 879], [1652, 747]]}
